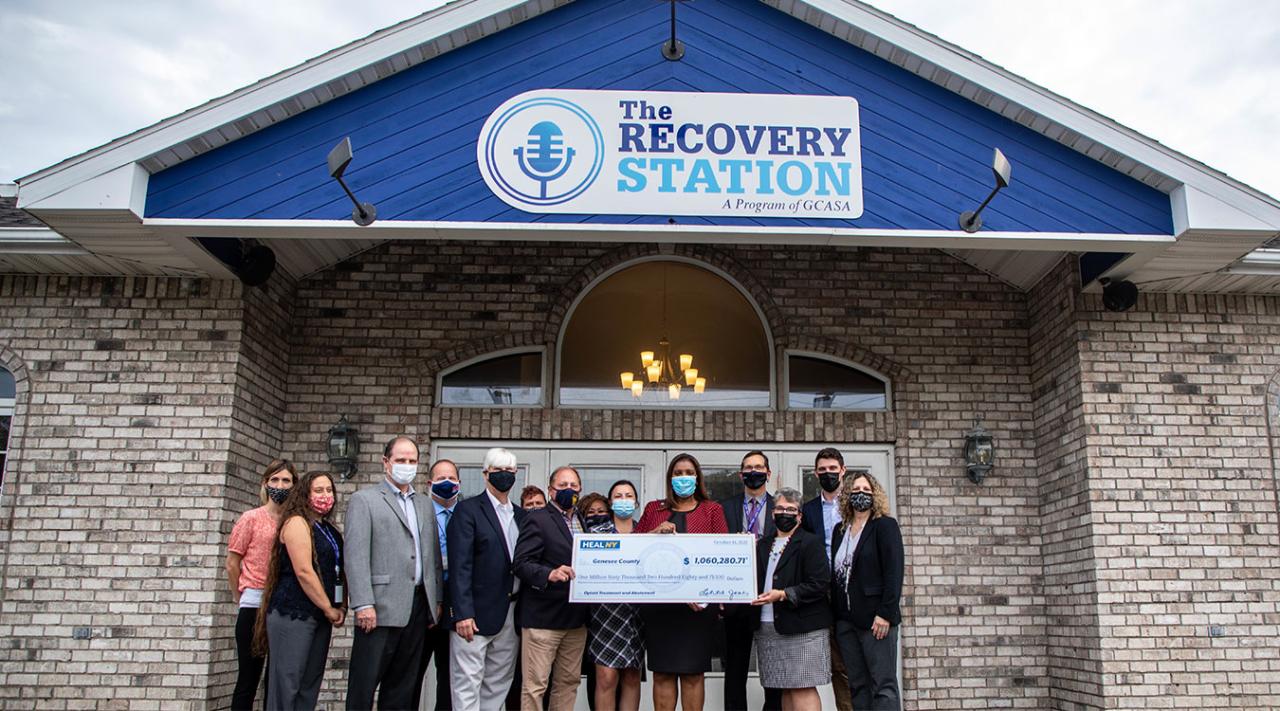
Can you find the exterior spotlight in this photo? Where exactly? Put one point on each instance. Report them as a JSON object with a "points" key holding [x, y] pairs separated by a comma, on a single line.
{"points": [[343, 447], [1118, 295], [979, 453], [339, 158], [972, 221]]}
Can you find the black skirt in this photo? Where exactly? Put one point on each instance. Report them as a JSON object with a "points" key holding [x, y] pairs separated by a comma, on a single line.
{"points": [[678, 640]]}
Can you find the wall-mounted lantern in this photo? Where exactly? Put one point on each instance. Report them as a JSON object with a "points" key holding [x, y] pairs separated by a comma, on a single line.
{"points": [[979, 453], [343, 447]]}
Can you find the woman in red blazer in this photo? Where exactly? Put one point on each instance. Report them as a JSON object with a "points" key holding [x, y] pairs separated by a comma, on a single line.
{"points": [[678, 638]]}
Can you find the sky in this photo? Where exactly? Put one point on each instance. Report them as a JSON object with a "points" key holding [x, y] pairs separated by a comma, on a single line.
{"points": [[1200, 76]]}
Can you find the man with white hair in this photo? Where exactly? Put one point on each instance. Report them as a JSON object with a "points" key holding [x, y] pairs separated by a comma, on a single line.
{"points": [[482, 589]]}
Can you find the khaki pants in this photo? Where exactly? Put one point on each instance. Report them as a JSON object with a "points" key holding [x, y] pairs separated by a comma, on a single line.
{"points": [[554, 655], [839, 677]]}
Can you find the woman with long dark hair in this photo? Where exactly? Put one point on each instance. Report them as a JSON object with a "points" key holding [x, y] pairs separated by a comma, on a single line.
{"points": [[679, 637], [304, 597], [867, 570], [248, 560]]}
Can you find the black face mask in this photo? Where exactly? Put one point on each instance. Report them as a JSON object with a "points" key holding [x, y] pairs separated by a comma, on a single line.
{"points": [[860, 501], [754, 480], [277, 495], [598, 520], [502, 480], [786, 521], [829, 481]]}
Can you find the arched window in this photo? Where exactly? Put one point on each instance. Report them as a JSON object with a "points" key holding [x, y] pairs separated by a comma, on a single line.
{"points": [[8, 395], [818, 382], [643, 337], [506, 378]]}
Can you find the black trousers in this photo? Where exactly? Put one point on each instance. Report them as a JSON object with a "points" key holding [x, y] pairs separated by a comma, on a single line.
{"points": [[389, 657], [250, 666], [738, 637], [872, 665], [437, 645]]}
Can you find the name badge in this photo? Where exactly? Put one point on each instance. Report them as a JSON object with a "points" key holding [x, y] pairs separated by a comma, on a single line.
{"points": [[337, 595]]}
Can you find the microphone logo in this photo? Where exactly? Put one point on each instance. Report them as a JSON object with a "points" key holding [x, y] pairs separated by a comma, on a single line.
{"points": [[538, 150], [544, 157]]}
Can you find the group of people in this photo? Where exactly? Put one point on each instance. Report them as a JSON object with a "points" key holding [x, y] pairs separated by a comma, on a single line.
{"points": [[482, 584]]}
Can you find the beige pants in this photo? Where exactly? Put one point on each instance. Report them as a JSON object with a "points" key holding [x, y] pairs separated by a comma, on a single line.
{"points": [[554, 655], [839, 678]]}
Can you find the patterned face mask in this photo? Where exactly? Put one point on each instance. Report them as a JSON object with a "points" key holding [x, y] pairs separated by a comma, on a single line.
{"points": [[323, 504], [860, 501], [277, 495]]}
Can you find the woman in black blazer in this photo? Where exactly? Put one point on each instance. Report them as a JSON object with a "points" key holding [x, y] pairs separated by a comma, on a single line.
{"points": [[791, 628], [866, 583]]}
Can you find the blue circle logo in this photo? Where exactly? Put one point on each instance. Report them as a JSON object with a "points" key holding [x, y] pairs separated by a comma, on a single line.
{"points": [[544, 151]]}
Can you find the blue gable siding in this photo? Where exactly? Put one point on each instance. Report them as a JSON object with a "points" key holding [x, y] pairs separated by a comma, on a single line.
{"points": [[925, 150]]}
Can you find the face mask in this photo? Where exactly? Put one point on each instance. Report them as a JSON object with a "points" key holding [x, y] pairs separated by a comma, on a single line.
{"points": [[684, 485], [403, 474], [597, 520], [445, 489], [566, 498], [829, 481], [322, 503], [623, 508], [860, 500], [277, 495], [785, 521], [502, 480], [754, 480]]}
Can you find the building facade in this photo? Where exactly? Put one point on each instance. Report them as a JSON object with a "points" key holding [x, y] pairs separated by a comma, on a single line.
{"points": [[1121, 554]]}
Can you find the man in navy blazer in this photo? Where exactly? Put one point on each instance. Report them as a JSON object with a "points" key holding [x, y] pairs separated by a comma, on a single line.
{"points": [[553, 631], [748, 512], [820, 516], [482, 588]]}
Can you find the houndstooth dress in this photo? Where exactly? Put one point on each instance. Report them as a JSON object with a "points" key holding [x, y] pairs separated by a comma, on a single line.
{"points": [[616, 640]]}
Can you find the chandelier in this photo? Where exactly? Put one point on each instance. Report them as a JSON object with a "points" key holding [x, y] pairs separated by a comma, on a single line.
{"points": [[658, 368]]}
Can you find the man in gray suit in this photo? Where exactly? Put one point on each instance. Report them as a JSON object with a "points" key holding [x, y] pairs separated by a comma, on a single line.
{"points": [[394, 574]]}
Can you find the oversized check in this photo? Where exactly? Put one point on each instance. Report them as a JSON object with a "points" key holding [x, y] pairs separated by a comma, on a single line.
{"points": [[682, 567]]}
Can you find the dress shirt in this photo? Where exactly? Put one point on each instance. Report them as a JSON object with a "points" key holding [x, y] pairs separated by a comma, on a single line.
{"points": [[758, 527], [830, 517], [507, 519], [410, 515], [570, 521], [443, 514]]}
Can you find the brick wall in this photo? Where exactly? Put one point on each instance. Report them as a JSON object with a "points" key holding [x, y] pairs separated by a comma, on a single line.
{"points": [[371, 334], [1070, 578], [1184, 500], [122, 484]]}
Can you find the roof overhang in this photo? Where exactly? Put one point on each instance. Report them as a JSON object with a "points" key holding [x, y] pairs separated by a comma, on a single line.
{"points": [[96, 199]]}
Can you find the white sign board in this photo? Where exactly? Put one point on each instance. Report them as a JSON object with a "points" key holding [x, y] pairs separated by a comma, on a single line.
{"points": [[675, 153]]}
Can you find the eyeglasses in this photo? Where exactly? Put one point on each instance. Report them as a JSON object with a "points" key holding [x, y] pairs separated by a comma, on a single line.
{"points": [[785, 510], [755, 468]]}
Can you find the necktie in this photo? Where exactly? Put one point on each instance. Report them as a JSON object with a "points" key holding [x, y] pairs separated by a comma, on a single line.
{"points": [[753, 519]]}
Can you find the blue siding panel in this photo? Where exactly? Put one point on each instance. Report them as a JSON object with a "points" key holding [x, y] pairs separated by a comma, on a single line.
{"points": [[925, 150]]}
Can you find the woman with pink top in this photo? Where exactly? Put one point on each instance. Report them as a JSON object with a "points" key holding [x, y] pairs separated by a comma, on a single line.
{"points": [[248, 554]]}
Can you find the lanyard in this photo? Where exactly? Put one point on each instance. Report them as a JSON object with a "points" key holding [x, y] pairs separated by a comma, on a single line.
{"points": [[751, 522], [337, 554]]}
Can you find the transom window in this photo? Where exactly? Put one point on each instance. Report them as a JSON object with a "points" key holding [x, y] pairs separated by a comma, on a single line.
{"points": [[816, 382], [496, 380], [667, 324]]}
